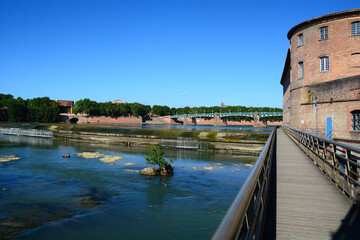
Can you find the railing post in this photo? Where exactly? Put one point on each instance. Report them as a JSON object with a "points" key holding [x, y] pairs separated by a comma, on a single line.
{"points": [[347, 168], [334, 160]]}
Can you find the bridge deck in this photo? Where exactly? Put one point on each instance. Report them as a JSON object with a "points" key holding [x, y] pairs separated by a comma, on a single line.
{"points": [[308, 205]]}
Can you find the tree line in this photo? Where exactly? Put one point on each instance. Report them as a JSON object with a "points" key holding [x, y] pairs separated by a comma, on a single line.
{"points": [[30, 110], [93, 108], [46, 110]]}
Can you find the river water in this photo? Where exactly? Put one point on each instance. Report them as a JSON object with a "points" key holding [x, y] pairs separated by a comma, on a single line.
{"points": [[46, 196]]}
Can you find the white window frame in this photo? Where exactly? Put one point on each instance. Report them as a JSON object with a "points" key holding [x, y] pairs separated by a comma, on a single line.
{"points": [[324, 33], [355, 28], [300, 39], [324, 64], [301, 70]]}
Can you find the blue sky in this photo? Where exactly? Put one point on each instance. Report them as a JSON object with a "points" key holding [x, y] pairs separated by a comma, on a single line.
{"points": [[168, 52]]}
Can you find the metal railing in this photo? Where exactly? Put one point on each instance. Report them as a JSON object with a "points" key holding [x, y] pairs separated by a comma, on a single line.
{"points": [[338, 161], [245, 216]]}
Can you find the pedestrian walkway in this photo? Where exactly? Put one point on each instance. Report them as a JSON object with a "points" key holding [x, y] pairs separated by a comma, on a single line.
{"points": [[308, 205]]}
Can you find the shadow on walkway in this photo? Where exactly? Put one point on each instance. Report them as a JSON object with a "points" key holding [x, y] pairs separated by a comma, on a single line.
{"points": [[350, 226]]}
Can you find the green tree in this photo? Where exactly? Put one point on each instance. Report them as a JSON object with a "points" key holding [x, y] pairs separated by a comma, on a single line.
{"points": [[18, 110], [86, 106], [160, 110], [138, 109], [156, 157], [4, 102], [43, 110], [124, 109], [173, 111]]}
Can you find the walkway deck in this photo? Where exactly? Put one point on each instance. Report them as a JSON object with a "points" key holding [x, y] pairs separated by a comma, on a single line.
{"points": [[308, 205]]}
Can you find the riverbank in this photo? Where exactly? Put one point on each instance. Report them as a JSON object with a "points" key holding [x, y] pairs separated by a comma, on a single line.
{"points": [[235, 143], [245, 147]]}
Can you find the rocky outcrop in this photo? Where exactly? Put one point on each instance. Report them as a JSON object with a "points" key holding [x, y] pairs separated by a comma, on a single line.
{"points": [[168, 171], [8, 158], [150, 171]]}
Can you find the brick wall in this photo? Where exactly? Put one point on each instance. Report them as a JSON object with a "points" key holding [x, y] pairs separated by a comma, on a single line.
{"points": [[101, 119], [119, 120]]}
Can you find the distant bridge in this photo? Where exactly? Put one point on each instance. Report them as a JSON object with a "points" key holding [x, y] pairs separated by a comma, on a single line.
{"points": [[229, 114], [221, 119]]}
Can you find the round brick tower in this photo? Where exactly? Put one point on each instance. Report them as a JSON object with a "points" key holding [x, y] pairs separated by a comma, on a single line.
{"points": [[321, 76]]}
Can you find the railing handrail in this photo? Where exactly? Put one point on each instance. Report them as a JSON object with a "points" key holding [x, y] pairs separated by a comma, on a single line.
{"points": [[357, 150], [237, 215]]}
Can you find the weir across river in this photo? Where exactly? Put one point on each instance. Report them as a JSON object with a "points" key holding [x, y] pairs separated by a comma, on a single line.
{"points": [[26, 132], [293, 195]]}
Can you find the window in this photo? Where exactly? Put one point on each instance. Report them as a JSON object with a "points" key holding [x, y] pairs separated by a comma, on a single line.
{"points": [[301, 70], [355, 120], [355, 28], [300, 40], [324, 33], [324, 64]]}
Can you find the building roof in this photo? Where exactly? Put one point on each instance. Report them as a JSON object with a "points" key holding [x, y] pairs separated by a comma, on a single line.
{"points": [[119, 102], [65, 102], [321, 18]]}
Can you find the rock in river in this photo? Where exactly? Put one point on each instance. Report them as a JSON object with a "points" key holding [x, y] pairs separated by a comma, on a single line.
{"points": [[149, 171], [8, 158]]}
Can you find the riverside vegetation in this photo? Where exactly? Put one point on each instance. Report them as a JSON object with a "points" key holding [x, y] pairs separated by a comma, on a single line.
{"points": [[45, 110]]}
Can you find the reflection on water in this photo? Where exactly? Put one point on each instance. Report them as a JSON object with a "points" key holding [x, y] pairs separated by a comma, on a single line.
{"points": [[79, 198]]}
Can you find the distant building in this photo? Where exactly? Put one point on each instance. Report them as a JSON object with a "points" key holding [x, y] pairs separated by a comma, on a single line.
{"points": [[223, 105], [66, 106], [119, 102], [321, 76]]}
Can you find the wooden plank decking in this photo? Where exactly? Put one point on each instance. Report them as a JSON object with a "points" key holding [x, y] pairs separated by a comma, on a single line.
{"points": [[308, 205]]}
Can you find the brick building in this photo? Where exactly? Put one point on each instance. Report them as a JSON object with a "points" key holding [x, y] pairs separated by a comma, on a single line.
{"points": [[321, 76], [66, 106]]}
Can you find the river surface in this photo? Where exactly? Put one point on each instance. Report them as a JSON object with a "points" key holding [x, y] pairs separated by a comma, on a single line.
{"points": [[46, 196]]}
